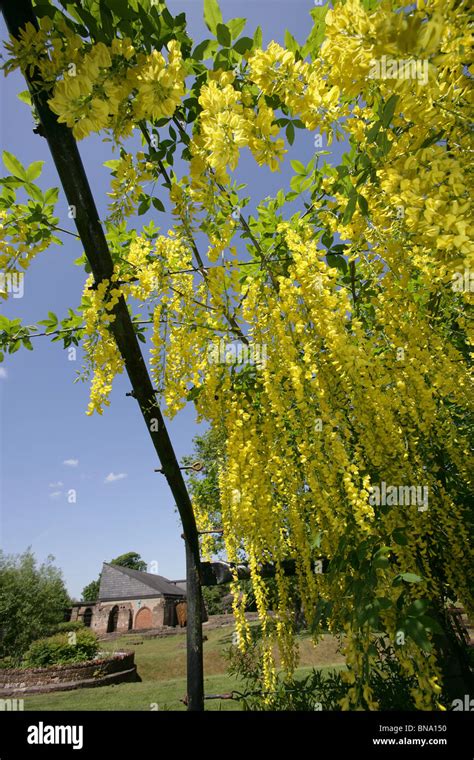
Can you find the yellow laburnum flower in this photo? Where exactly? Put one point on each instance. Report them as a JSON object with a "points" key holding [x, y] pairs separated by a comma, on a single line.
{"points": [[160, 85], [263, 128], [28, 48]]}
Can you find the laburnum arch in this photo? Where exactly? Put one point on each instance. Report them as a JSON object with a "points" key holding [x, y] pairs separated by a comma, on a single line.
{"points": [[350, 310]]}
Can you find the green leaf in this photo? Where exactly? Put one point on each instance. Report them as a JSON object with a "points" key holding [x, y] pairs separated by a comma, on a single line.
{"points": [[399, 536], [298, 167], [244, 44], [363, 205], [34, 191], [416, 630], [224, 36], [388, 110], [34, 170], [158, 204], [51, 196], [13, 165], [144, 206], [291, 43], [337, 262], [380, 558], [431, 140], [349, 210], [236, 26], [122, 9], [107, 20], [373, 131], [383, 603], [295, 183], [257, 37], [327, 239], [204, 50], [25, 97], [112, 164], [193, 393], [212, 15], [407, 577], [342, 170], [290, 133]]}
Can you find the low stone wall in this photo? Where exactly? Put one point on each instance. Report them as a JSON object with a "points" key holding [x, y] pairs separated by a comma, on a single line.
{"points": [[114, 668]]}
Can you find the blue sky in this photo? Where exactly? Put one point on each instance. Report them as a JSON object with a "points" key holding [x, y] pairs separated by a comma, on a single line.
{"points": [[47, 443]]}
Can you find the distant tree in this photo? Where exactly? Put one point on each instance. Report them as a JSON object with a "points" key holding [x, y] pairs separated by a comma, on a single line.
{"points": [[215, 600], [32, 599], [132, 560], [90, 593]]}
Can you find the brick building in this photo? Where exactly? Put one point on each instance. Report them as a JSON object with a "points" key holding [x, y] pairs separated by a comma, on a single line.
{"points": [[129, 599]]}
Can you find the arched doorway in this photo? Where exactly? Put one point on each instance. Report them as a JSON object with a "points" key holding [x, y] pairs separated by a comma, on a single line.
{"points": [[143, 618], [88, 617], [113, 619]]}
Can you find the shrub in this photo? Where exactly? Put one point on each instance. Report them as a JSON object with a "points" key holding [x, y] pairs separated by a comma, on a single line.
{"points": [[61, 649], [6, 663], [66, 627]]}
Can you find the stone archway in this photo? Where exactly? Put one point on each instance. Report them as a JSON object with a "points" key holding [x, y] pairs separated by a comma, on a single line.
{"points": [[87, 617], [113, 619], [143, 618]]}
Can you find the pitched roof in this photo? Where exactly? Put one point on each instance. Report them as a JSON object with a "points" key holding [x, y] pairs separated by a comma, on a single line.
{"points": [[118, 582]]}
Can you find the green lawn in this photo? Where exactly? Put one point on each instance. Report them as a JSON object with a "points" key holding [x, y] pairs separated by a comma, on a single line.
{"points": [[161, 663]]}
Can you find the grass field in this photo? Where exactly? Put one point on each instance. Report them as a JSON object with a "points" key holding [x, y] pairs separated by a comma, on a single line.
{"points": [[161, 664]]}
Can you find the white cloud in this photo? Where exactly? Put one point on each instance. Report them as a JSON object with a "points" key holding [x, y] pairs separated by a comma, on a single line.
{"points": [[71, 462], [111, 477], [3, 373], [55, 494], [56, 485]]}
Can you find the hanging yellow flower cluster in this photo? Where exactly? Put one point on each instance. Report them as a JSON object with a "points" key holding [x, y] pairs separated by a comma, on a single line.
{"points": [[99, 86], [102, 354], [130, 174], [20, 242], [227, 123]]}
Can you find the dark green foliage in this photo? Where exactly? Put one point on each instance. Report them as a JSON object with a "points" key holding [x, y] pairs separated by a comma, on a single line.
{"points": [[90, 593], [66, 627], [32, 599], [77, 646]]}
